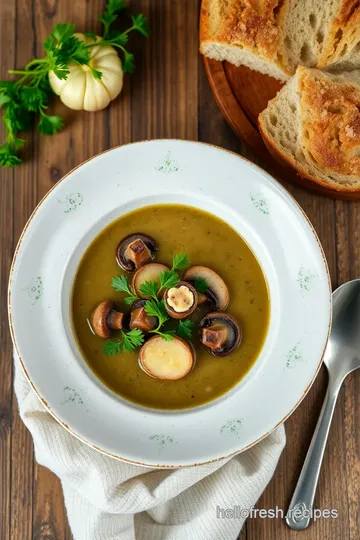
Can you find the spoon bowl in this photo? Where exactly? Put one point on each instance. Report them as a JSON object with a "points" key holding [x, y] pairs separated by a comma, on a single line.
{"points": [[342, 354]]}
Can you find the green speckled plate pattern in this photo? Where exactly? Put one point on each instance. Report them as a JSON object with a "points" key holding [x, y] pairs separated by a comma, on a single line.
{"points": [[263, 213]]}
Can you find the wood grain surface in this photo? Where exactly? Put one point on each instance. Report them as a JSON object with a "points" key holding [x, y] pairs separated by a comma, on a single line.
{"points": [[168, 96]]}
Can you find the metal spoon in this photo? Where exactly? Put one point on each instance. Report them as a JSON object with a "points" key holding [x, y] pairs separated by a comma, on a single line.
{"points": [[342, 356]]}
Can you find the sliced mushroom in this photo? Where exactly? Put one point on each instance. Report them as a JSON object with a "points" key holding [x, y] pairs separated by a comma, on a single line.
{"points": [[149, 272], [105, 319], [220, 333], [217, 293], [181, 300], [140, 319], [135, 250], [167, 360]]}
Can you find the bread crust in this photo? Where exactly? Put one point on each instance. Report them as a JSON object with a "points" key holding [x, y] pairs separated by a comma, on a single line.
{"points": [[330, 123], [344, 31], [330, 129], [244, 23], [290, 164]]}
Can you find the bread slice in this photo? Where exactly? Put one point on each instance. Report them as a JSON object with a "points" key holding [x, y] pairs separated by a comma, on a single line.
{"points": [[306, 23], [275, 36], [341, 50], [313, 124], [244, 32]]}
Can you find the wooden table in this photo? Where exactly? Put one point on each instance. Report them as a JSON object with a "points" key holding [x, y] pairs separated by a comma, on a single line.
{"points": [[168, 96]]}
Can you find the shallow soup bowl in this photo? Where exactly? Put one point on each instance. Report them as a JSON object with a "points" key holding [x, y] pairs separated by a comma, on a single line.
{"points": [[278, 233]]}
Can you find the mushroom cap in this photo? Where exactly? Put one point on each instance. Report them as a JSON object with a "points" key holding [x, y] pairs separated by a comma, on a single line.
{"points": [[167, 360], [217, 293], [148, 272], [220, 332], [181, 314], [135, 250], [99, 319], [140, 319]]}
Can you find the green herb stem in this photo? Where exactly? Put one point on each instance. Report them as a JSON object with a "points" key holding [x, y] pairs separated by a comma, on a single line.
{"points": [[27, 97]]}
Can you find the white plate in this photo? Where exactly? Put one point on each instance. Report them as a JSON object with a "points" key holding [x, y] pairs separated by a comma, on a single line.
{"points": [[266, 216]]}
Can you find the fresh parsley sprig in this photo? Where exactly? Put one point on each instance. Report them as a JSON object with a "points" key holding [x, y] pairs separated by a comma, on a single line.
{"points": [[111, 11], [120, 39], [26, 98], [155, 307], [127, 342], [201, 285], [180, 261], [150, 289], [184, 329], [169, 278], [121, 284]]}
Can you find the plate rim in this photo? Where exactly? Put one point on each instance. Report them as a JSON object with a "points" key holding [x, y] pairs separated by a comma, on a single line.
{"points": [[45, 403]]}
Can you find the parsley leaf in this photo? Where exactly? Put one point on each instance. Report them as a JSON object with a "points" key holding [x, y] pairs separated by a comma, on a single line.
{"points": [[119, 40], [62, 48], [201, 285], [184, 329], [140, 24], [180, 261], [168, 279], [168, 335], [128, 63], [8, 158], [126, 343], [112, 347], [121, 284], [156, 308], [4, 99], [32, 98], [132, 339], [49, 125], [109, 16], [149, 288], [96, 73], [62, 31], [90, 35]]}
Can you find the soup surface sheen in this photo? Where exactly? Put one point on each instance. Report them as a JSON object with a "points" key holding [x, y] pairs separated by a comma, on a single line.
{"points": [[208, 241]]}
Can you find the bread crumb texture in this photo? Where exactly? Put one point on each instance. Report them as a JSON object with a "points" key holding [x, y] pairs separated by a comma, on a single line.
{"points": [[331, 123], [344, 33], [246, 23]]}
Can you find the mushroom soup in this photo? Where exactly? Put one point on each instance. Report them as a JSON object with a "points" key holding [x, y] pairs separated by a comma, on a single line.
{"points": [[170, 307]]}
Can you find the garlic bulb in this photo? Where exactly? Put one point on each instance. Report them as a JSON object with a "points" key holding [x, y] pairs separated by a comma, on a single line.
{"points": [[81, 90]]}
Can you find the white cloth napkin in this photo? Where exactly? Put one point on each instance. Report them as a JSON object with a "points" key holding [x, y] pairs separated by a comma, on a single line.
{"points": [[107, 499]]}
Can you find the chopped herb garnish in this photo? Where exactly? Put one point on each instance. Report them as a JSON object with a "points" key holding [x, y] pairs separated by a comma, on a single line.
{"points": [[168, 279], [153, 307], [112, 347], [149, 288], [121, 284], [184, 329], [180, 261], [126, 343], [156, 308], [201, 285], [168, 335]]}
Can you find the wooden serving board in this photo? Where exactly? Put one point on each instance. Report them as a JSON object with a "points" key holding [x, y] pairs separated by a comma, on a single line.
{"points": [[242, 94]]}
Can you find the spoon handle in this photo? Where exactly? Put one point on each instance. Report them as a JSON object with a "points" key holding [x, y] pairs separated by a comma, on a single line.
{"points": [[301, 505]]}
